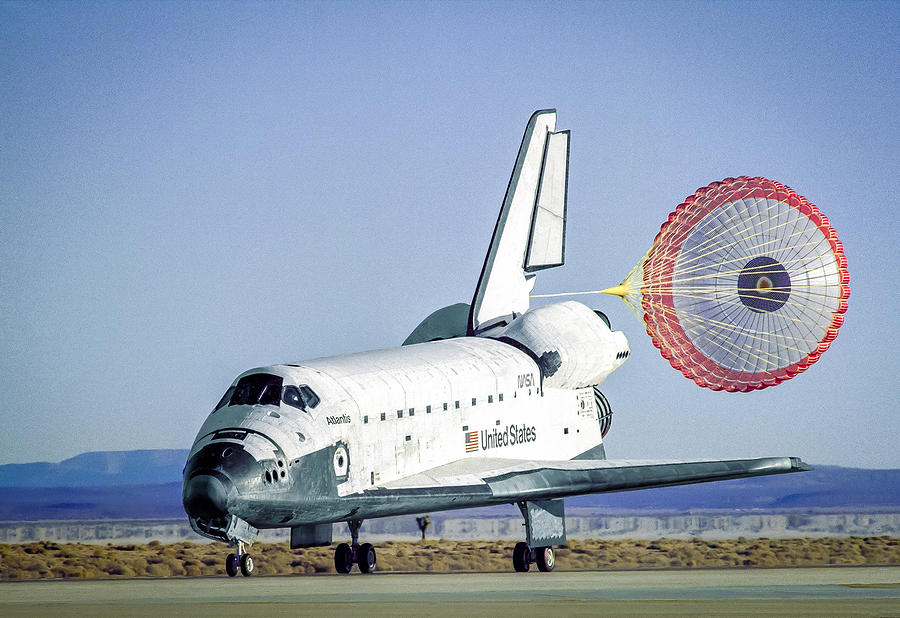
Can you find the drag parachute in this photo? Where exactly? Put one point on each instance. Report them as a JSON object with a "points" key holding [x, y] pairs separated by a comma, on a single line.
{"points": [[745, 285]]}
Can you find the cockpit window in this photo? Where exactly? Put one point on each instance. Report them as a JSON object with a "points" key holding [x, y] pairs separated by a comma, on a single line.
{"points": [[272, 395], [257, 388], [266, 389], [225, 399], [292, 397], [309, 396], [301, 397]]}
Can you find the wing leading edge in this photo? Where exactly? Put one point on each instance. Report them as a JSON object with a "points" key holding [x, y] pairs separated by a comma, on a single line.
{"points": [[484, 482]]}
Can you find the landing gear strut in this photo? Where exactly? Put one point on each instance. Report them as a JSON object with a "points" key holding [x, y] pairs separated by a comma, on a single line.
{"points": [[524, 556], [239, 560], [345, 556]]}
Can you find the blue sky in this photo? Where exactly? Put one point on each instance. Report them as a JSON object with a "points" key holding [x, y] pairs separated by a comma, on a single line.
{"points": [[191, 190]]}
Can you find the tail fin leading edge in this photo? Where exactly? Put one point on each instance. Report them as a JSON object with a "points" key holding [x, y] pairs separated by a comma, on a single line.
{"points": [[531, 229]]}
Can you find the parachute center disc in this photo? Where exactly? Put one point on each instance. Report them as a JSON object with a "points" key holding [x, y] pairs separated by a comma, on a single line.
{"points": [[764, 285]]}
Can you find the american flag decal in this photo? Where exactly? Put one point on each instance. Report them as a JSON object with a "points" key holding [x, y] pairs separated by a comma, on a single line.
{"points": [[471, 441]]}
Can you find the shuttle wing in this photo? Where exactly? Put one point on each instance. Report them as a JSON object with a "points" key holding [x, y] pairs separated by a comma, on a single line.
{"points": [[482, 482], [531, 229]]}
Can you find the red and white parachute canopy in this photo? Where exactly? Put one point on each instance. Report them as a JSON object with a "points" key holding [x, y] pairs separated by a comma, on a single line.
{"points": [[745, 285]]}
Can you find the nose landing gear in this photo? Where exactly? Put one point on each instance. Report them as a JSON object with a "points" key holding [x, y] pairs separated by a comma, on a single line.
{"points": [[239, 561], [345, 556]]}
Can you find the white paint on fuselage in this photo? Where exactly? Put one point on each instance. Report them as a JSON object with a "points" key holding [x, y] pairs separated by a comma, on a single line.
{"points": [[412, 408], [405, 410]]}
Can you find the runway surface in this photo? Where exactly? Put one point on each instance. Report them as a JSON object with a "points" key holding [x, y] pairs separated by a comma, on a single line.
{"points": [[854, 591]]}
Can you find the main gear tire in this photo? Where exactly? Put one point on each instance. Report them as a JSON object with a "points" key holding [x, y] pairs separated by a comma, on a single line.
{"points": [[366, 558], [343, 558], [545, 558], [521, 557]]}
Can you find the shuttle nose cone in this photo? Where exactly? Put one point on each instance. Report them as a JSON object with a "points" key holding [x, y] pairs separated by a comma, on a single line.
{"points": [[205, 496]]}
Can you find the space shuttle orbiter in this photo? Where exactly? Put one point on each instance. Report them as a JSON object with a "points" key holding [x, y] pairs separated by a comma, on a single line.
{"points": [[485, 404]]}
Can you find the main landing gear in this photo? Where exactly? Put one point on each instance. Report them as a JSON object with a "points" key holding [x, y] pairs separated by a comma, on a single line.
{"points": [[345, 556], [545, 526], [239, 561], [524, 556]]}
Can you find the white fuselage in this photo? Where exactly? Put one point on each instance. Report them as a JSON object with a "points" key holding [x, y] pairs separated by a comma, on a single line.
{"points": [[390, 414], [404, 410]]}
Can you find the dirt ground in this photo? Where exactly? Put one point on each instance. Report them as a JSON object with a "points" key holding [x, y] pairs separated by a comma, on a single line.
{"points": [[47, 560]]}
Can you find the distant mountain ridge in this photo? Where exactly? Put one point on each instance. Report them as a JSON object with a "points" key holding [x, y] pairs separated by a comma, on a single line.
{"points": [[147, 484], [99, 469]]}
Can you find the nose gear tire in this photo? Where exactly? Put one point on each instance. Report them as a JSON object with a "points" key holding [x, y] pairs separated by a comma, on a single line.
{"points": [[231, 565], [246, 565]]}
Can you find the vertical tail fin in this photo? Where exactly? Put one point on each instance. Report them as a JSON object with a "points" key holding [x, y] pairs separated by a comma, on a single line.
{"points": [[531, 229]]}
